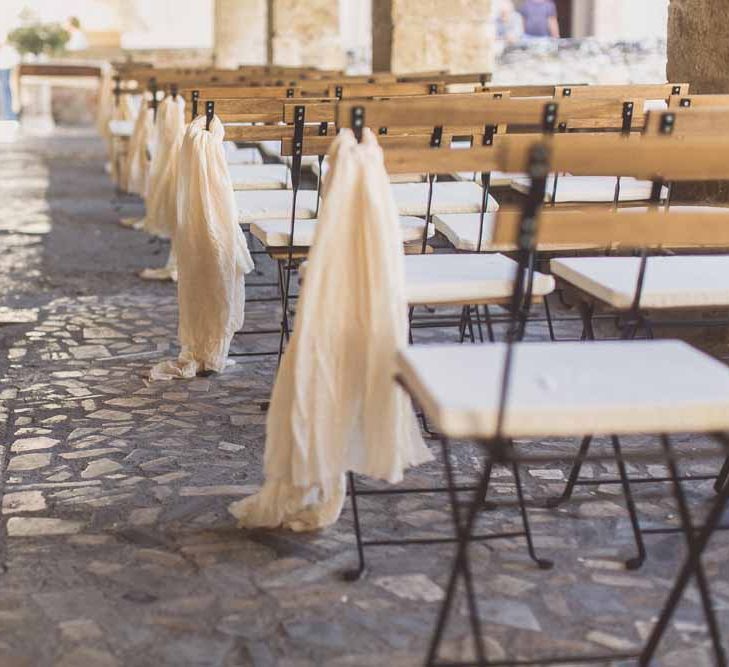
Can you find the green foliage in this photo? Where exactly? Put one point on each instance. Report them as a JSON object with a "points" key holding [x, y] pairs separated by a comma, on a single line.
{"points": [[37, 38]]}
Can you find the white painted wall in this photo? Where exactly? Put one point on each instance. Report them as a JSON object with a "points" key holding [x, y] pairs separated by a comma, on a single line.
{"points": [[630, 19]]}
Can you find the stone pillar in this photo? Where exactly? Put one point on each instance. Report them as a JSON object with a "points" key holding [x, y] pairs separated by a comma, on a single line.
{"points": [[305, 34], [698, 53], [240, 33], [422, 35], [698, 48]]}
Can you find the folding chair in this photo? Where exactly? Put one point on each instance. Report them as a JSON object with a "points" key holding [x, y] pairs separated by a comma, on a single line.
{"points": [[622, 389]]}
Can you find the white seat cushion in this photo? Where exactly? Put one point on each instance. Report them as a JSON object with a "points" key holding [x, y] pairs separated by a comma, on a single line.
{"points": [[259, 176], [235, 155], [306, 160], [394, 178], [499, 179], [267, 204], [462, 229], [587, 189], [121, 128], [448, 197], [270, 148], [275, 233], [464, 279], [683, 281], [569, 389]]}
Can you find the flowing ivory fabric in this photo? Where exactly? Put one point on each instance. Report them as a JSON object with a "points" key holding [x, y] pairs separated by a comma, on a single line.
{"points": [[126, 110], [161, 202], [137, 168], [335, 404], [212, 256]]}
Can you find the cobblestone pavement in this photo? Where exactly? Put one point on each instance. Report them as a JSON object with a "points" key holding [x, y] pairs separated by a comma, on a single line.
{"points": [[117, 548]]}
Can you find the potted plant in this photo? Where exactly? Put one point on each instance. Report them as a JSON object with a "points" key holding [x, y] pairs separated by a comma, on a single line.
{"points": [[39, 39]]}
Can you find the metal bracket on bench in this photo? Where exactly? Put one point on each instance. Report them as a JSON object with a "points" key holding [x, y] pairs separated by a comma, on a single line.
{"points": [[209, 114], [117, 90], [628, 108], [488, 134], [195, 100], [550, 118], [567, 92], [382, 131], [668, 122], [358, 122], [676, 90], [298, 147], [685, 102], [338, 92], [437, 137], [289, 92], [433, 89], [153, 90]]}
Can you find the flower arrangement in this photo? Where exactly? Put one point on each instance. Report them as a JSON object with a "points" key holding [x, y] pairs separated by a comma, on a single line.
{"points": [[38, 38]]}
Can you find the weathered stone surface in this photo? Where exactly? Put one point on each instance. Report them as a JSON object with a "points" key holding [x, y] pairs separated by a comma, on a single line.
{"points": [[240, 31], [412, 36], [698, 53], [306, 34]]}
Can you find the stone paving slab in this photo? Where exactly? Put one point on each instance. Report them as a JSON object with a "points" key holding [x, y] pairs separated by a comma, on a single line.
{"points": [[117, 547]]}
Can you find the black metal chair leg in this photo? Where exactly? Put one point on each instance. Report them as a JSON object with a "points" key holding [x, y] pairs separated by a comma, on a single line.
{"points": [[489, 324], [474, 617], [478, 324], [550, 324], [684, 576], [357, 573], [460, 564], [688, 530], [637, 561], [542, 563], [574, 475], [723, 475]]}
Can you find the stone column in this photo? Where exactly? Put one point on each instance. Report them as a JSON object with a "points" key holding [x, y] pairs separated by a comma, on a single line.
{"points": [[698, 53], [426, 35], [240, 32], [698, 48], [305, 33]]}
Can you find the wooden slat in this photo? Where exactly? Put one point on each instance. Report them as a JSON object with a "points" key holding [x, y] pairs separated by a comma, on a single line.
{"points": [[698, 101], [643, 91], [239, 92], [40, 69], [701, 121], [649, 158], [249, 133], [440, 160], [438, 110], [349, 91], [604, 227], [317, 111]]}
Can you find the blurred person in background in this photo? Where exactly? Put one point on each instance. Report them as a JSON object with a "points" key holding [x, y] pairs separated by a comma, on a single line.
{"points": [[78, 40], [9, 60], [540, 18], [509, 22]]}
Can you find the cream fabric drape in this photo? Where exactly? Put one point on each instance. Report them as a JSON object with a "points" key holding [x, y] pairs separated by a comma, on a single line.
{"points": [[127, 110], [161, 203], [335, 405], [138, 156], [212, 255]]}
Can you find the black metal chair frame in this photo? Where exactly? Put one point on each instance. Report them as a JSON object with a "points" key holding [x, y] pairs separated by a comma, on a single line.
{"points": [[500, 449]]}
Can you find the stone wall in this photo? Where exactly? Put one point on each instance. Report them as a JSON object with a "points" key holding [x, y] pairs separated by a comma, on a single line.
{"points": [[305, 33], [240, 29], [698, 44], [424, 35], [698, 52]]}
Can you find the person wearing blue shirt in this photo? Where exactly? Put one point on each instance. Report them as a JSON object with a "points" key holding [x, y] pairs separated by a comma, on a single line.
{"points": [[540, 18]]}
